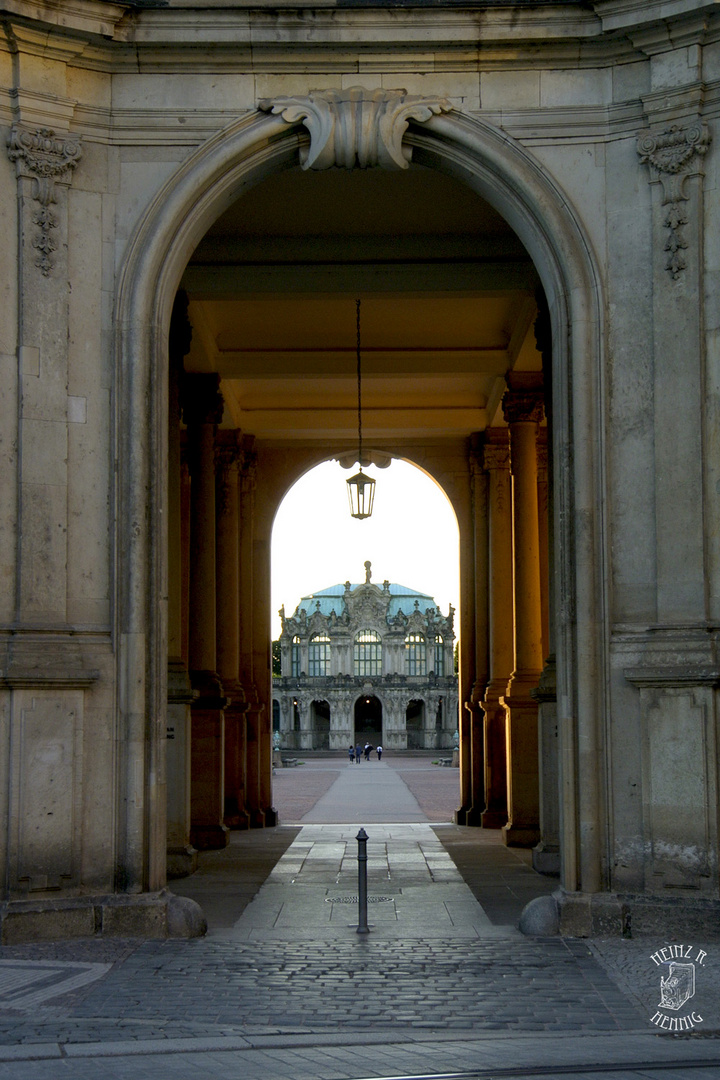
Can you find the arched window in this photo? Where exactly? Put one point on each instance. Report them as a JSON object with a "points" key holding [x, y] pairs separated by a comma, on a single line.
{"points": [[439, 655], [367, 653], [319, 655], [415, 654], [295, 657]]}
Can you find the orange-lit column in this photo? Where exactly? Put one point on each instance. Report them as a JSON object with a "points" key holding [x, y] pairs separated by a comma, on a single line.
{"points": [[203, 408], [473, 649], [523, 411], [496, 460]]}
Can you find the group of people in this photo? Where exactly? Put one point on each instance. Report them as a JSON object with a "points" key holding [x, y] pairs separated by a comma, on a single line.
{"points": [[356, 753]]}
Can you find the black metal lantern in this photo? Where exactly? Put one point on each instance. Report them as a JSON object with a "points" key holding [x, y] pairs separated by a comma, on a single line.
{"points": [[361, 488]]}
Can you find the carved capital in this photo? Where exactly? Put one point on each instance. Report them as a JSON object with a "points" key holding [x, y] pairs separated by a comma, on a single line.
{"points": [[202, 402], [496, 449], [523, 406], [48, 160], [355, 128], [229, 453], [672, 156], [248, 472], [672, 152], [47, 157]]}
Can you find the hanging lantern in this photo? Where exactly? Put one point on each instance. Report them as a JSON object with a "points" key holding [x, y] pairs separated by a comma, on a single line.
{"points": [[361, 493], [361, 488]]}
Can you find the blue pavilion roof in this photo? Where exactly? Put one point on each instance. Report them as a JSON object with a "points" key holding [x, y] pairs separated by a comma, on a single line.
{"points": [[331, 599]]}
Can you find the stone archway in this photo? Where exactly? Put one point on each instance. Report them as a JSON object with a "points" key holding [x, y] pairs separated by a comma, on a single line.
{"points": [[368, 714], [489, 162]]}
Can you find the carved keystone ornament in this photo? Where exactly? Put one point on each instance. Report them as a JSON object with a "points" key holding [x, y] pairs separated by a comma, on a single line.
{"points": [[355, 128], [672, 156], [49, 159]]}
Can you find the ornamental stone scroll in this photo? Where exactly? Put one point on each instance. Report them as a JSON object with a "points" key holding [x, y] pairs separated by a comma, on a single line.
{"points": [[673, 155], [355, 128], [48, 159]]}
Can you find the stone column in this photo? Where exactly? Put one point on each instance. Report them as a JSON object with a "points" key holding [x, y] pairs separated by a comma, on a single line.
{"points": [[496, 461], [246, 494], [229, 454], [181, 855], [523, 409], [262, 674], [474, 707], [202, 408]]}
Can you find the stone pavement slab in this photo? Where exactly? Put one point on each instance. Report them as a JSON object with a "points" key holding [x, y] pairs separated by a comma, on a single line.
{"points": [[628, 1057]]}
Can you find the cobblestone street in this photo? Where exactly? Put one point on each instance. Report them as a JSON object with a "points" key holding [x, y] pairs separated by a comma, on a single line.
{"points": [[282, 985]]}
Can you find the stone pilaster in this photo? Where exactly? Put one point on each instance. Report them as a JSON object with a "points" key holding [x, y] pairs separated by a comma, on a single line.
{"points": [[523, 409], [44, 164], [181, 855], [496, 461], [202, 408], [229, 457], [674, 154]]}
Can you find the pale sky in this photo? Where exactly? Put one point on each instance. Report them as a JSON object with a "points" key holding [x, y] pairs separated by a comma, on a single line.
{"points": [[411, 538]]}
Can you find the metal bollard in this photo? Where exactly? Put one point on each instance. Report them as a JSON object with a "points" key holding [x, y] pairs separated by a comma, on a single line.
{"points": [[362, 858]]}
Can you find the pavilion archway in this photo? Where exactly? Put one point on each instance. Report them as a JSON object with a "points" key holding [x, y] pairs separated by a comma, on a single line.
{"points": [[208, 182]]}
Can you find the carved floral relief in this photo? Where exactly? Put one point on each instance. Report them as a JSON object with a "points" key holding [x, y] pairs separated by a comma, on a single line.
{"points": [[672, 157], [48, 159]]}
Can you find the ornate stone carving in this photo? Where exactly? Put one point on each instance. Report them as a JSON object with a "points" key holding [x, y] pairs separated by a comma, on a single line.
{"points": [[49, 160], [523, 406], [229, 457], [355, 128], [496, 455], [672, 157]]}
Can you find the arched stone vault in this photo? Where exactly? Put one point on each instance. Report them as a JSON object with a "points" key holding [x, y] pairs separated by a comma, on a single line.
{"points": [[209, 181]]}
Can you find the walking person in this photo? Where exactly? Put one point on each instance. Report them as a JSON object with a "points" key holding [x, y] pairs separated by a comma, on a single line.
{"points": [[378, 751], [368, 748], [351, 754], [358, 753]]}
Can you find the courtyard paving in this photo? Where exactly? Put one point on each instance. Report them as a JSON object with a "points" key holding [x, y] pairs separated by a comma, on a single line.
{"points": [[283, 986]]}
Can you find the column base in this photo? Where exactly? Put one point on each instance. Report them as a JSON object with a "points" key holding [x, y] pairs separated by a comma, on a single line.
{"points": [[628, 915], [143, 915], [520, 835], [271, 818], [209, 837], [546, 858], [235, 819], [474, 817], [181, 861], [494, 819], [460, 816]]}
